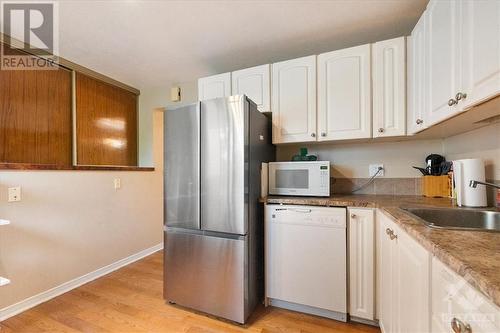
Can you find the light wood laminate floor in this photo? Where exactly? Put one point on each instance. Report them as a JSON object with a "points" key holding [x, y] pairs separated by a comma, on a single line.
{"points": [[131, 300]]}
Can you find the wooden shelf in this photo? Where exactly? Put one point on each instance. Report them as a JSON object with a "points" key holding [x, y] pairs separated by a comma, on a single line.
{"points": [[29, 166]]}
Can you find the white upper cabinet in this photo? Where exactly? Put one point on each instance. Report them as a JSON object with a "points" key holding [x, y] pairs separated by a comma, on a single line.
{"points": [[294, 100], [416, 84], [443, 60], [389, 87], [344, 94], [480, 41], [255, 83], [214, 86]]}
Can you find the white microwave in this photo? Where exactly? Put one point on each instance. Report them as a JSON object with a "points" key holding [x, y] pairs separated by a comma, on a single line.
{"points": [[300, 178]]}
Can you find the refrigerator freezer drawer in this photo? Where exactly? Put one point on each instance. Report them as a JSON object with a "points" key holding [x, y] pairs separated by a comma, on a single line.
{"points": [[207, 274]]}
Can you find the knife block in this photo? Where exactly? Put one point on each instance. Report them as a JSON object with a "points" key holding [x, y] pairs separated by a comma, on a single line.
{"points": [[436, 186]]}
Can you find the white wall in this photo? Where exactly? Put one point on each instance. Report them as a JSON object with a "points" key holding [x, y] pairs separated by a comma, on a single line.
{"points": [[352, 160], [151, 99], [481, 143], [70, 223]]}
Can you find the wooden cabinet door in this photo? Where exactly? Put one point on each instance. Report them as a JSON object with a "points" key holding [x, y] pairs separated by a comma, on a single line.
{"points": [[294, 100], [480, 49], [385, 261], [389, 88], [256, 84], [416, 69], [361, 263], [412, 278], [344, 94], [442, 59], [214, 86]]}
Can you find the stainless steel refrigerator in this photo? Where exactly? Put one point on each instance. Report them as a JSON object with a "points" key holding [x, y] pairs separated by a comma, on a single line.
{"points": [[213, 218]]}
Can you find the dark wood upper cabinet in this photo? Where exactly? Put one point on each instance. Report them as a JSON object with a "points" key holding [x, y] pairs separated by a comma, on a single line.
{"points": [[35, 116], [106, 123]]}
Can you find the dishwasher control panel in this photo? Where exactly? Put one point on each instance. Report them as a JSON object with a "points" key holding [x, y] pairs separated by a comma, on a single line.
{"points": [[323, 216]]}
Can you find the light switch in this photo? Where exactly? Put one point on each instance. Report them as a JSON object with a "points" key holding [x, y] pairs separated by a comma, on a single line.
{"points": [[14, 194], [117, 183]]}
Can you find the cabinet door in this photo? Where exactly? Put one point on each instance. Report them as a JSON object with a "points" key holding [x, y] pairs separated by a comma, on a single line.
{"points": [[385, 292], [454, 298], [480, 49], [361, 263], [255, 83], [214, 86], [389, 88], [294, 100], [416, 77], [412, 276], [442, 59], [344, 94]]}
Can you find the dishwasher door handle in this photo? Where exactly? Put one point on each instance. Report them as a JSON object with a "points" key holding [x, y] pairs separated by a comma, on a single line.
{"points": [[300, 210]]}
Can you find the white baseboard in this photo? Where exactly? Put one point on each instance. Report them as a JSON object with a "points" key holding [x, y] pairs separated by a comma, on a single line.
{"points": [[32, 301]]}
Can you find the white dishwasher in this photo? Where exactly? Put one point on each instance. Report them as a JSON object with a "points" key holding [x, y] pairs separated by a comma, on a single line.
{"points": [[306, 259]]}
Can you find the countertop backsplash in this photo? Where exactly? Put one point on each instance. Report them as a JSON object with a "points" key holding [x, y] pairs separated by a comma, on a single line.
{"points": [[387, 186], [391, 186]]}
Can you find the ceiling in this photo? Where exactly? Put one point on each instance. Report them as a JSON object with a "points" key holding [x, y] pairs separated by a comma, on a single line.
{"points": [[156, 43]]}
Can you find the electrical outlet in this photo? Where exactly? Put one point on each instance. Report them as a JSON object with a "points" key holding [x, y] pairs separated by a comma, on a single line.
{"points": [[14, 194], [373, 168], [117, 183]]}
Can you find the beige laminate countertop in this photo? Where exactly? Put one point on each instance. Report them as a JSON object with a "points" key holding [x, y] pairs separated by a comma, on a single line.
{"points": [[474, 255]]}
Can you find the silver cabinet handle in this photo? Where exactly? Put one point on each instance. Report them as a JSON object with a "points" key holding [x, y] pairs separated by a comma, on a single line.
{"points": [[381, 130], [313, 135], [452, 102], [353, 216], [459, 326], [391, 234], [460, 96], [323, 134], [419, 121]]}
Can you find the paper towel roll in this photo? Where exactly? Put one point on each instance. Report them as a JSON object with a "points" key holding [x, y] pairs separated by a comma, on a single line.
{"points": [[465, 171]]}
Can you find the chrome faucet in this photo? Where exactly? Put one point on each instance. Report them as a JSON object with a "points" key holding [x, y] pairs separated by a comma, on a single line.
{"points": [[473, 184]]}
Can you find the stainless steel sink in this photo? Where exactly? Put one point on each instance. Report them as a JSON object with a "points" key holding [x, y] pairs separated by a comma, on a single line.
{"points": [[457, 218]]}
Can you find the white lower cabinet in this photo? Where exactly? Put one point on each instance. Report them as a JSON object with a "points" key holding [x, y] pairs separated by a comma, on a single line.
{"points": [[418, 293], [404, 267], [458, 307], [361, 262]]}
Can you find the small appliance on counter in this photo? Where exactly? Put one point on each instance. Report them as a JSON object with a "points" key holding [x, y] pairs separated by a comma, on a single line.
{"points": [[300, 178], [465, 171], [303, 156], [436, 177]]}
